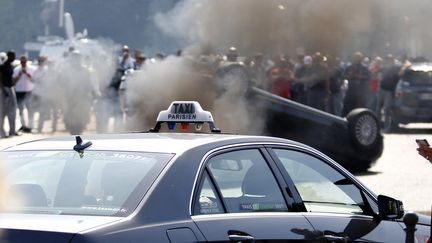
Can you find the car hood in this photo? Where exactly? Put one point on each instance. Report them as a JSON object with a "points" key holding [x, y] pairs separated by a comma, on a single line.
{"points": [[422, 219], [48, 228]]}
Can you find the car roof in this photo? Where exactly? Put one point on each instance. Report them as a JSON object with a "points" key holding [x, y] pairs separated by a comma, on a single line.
{"points": [[421, 67], [145, 142]]}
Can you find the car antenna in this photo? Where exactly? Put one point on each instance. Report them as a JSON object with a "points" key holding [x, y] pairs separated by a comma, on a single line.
{"points": [[79, 147]]}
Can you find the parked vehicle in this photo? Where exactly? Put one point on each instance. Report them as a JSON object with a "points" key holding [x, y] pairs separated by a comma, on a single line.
{"points": [[413, 96]]}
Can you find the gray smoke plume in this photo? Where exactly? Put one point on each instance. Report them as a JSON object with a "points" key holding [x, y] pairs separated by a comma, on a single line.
{"points": [[186, 78], [206, 26], [338, 27], [72, 83], [176, 78], [152, 89]]}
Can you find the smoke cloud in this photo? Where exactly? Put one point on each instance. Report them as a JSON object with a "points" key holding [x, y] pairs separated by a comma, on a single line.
{"points": [[338, 27], [186, 78], [153, 88], [73, 83]]}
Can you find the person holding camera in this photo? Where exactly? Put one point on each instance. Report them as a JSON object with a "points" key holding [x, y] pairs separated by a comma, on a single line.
{"points": [[426, 152], [23, 78]]}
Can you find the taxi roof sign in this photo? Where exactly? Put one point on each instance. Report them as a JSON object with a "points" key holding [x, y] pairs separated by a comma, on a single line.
{"points": [[185, 112]]}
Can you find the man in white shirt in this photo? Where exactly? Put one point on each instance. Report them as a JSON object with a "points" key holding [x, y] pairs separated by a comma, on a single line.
{"points": [[126, 61], [23, 79]]}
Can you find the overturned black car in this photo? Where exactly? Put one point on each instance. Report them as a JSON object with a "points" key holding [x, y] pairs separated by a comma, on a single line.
{"points": [[354, 141]]}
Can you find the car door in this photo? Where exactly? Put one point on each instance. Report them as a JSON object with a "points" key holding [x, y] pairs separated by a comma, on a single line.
{"points": [[239, 199], [335, 204]]}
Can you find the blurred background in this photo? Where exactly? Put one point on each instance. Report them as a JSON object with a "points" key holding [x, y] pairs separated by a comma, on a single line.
{"points": [[332, 26]]}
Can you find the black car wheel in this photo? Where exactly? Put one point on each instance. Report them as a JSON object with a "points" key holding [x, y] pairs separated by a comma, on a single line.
{"points": [[364, 128]]}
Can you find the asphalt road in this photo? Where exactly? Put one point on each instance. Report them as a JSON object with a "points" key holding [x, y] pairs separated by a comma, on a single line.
{"points": [[400, 172]]}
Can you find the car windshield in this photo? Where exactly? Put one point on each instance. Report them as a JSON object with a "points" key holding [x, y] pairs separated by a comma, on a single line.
{"points": [[103, 183]]}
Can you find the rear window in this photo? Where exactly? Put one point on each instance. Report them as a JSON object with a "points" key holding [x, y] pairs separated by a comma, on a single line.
{"points": [[418, 77], [65, 182]]}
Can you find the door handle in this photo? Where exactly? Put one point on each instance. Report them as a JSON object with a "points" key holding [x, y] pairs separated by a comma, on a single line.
{"points": [[238, 236], [334, 238]]}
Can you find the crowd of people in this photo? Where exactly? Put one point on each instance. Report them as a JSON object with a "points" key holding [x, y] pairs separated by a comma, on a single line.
{"points": [[67, 88], [330, 84], [324, 82]]}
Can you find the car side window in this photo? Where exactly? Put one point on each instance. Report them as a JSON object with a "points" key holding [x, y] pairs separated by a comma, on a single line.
{"points": [[246, 182], [321, 187]]}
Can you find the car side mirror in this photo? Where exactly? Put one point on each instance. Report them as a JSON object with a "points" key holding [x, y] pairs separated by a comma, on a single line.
{"points": [[390, 208]]}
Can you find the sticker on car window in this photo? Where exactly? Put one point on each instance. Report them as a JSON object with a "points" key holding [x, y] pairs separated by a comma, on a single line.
{"points": [[262, 206]]}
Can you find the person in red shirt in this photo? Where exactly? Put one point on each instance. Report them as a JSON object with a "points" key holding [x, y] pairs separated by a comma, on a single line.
{"points": [[375, 69], [281, 76]]}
